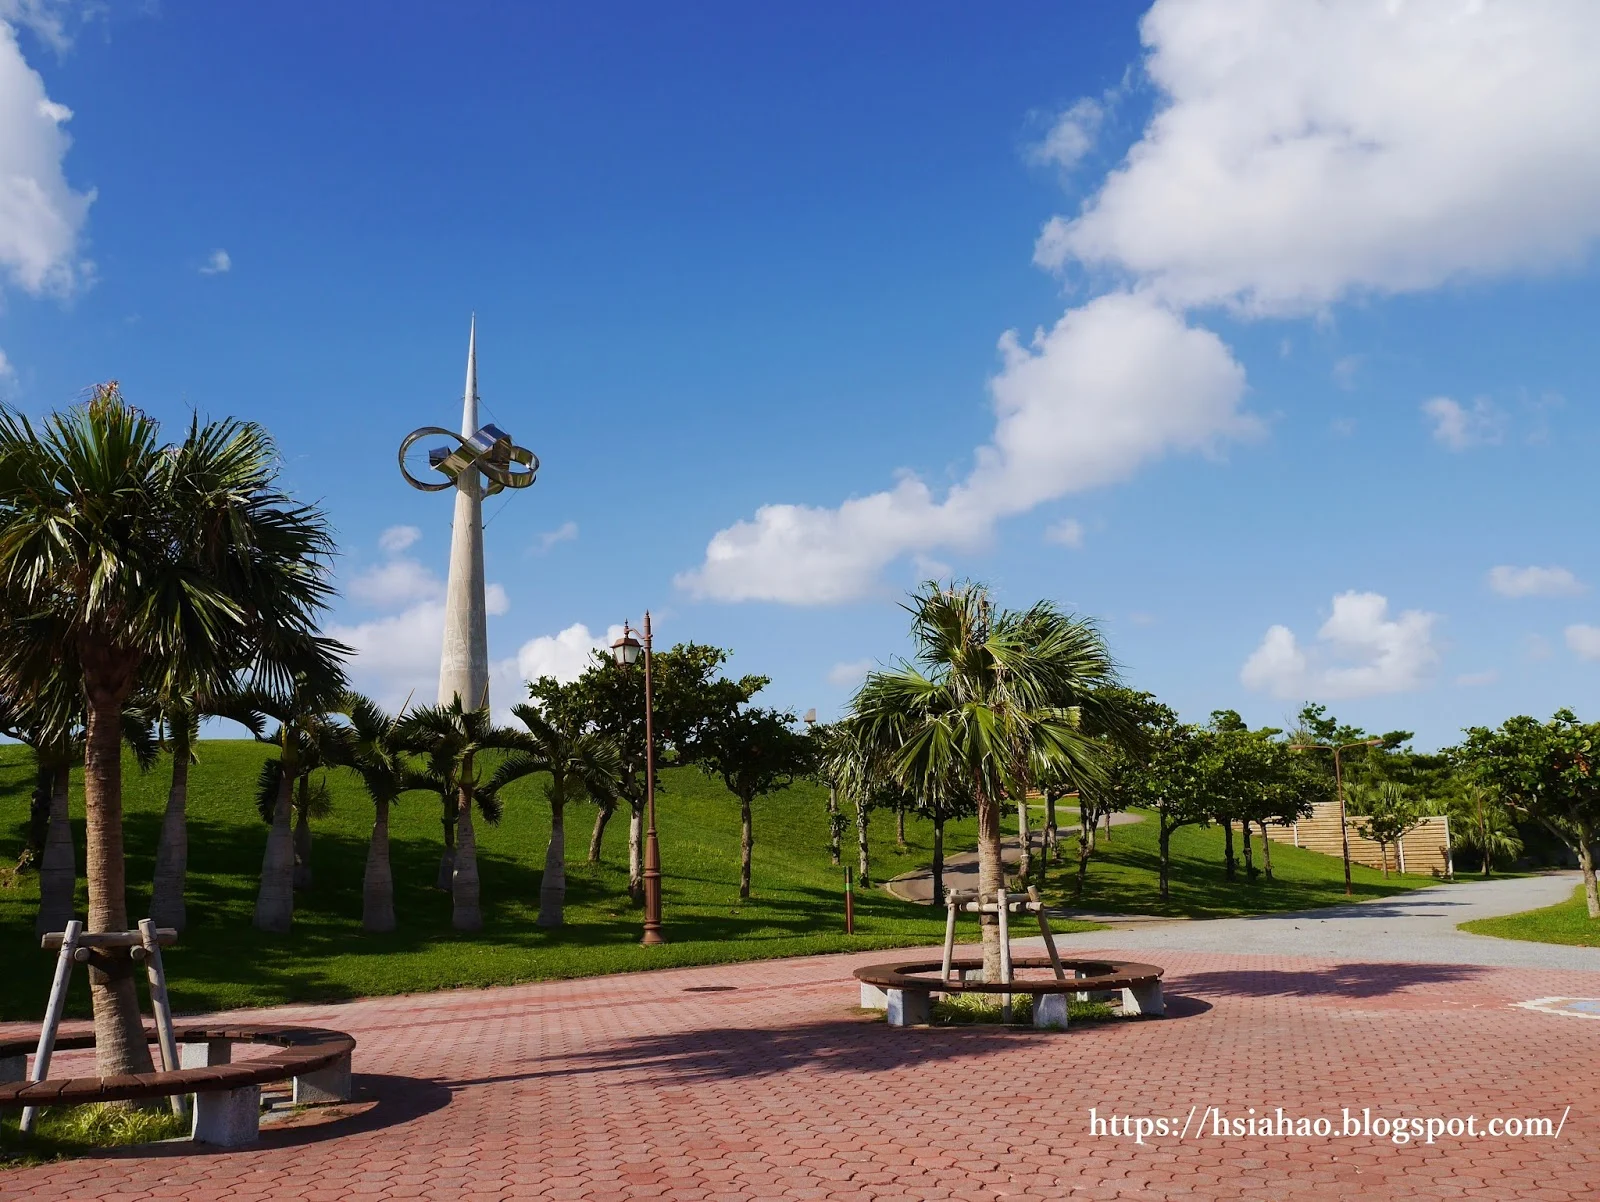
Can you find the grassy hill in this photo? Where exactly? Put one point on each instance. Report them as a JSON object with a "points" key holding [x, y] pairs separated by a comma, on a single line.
{"points": [[1564, 922], [222, 961]]}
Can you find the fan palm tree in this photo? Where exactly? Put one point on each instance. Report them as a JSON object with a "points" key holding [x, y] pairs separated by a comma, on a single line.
{"points": [[1480, 822], [451, 736], [156, 562], [582, 765], [992, 697]]}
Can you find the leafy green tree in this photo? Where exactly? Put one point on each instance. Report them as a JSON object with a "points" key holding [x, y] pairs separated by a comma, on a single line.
{"points": [[756, 751], [581, 764], [451, 737], [1176, 784], [829, 744], [992, 697], [1387, 813], [158, 562], [1126, 748], [1549, 771]]}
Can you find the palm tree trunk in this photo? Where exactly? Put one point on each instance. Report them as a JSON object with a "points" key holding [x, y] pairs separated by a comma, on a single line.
{"points": [[1024, 843], [600, 820], [58, 867], [938, 859], [636, 854], [447, 858], [275, 901], [119, 1042], [747, 842], [900, 828], [172, 853], [1383, 855], [465, 913], [991, 877], [1052, 840], [302, 836], [553, 884], [1266, 850], [863, 863], [835, 827], [377, 885]]}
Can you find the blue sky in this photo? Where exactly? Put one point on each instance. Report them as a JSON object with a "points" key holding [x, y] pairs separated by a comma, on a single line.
{"points": [[1297, 400]]}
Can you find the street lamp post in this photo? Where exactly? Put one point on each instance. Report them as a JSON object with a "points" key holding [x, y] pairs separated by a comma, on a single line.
{"points": [[626, 652], [1338, 786]]}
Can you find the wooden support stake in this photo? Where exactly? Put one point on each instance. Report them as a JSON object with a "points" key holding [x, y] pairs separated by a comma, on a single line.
{"points": [[949, 936], [161, 1007], [1005, 956], [1044, 930], [52, 1015]]}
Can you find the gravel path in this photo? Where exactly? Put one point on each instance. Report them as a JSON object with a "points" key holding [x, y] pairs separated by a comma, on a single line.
{"points": [[1418, 927]]}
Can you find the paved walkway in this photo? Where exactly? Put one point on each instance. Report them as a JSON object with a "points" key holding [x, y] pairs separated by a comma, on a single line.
{"points": [[761, 1081]]}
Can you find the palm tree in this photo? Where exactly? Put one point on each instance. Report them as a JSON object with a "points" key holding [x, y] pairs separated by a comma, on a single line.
{"points": [[379, 758], [1480, 822], [992, 697], [450, 736], [307, 738], [179, 720], [157, 562], [582, 765]]}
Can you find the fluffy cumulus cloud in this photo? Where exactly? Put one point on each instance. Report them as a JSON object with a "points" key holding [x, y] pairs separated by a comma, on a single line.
{"points": [[1306, 152], [1301, 153], [398, 538], [1115, 384], [1584, 641], [563, 655], [1459, 427], [1360, 651], [220, 263], [1535, 582], [41, 214]]}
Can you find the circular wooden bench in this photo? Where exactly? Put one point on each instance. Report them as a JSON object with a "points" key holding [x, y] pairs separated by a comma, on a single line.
{"points": [[227, 1094], [905, 988]]}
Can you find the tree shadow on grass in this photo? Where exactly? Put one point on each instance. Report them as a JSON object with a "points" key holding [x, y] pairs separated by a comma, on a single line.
{"points": [[1339, 980]]}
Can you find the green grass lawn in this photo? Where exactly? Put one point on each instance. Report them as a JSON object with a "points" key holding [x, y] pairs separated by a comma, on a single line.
{"points": [[1124, 873], [222, 961], [1566, 922]]}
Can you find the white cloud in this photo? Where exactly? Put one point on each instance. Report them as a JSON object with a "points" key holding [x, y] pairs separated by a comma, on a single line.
{"points": [[1472, 680], [1360, 652], [1583, 640], [41, 216], [1068, 532], [564, 655], [1071, 136], [1535, 582], [1115, 384], [563, 533], [398, 655], [7, 371], [1307, 152], [495, 600], [48, 19], [850, 673], [1459, 428], [396, 583], [218, 264], [398, 538]]}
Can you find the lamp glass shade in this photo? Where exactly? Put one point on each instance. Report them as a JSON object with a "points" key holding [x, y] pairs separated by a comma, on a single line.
{"points": [[626, 651]]}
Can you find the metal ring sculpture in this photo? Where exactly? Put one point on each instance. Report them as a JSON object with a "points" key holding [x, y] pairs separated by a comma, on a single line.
{"points": [[489, 452]]}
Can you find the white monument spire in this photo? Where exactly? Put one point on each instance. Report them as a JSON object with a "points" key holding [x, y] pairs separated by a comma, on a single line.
{"points": [[464, 661]]}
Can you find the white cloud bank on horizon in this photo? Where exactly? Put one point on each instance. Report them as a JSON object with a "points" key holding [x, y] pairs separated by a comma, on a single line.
{"points": [[1302, 154], [1360, 651], [1535, 582], [41, 216]]}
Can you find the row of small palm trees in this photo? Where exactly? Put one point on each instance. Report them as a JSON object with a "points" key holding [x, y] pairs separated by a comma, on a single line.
{"points": [[993, 703]]}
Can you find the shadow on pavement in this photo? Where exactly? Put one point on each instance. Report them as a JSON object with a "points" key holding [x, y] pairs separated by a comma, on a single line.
{"points": [[1340, 980]]}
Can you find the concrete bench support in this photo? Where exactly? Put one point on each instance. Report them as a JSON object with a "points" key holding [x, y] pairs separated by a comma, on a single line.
{"points": [[909, 1007], [873, 998], [228, 1118], [331, 1084], [204, 1055], [1050, 1011], [15, 1068], [1144, 999]]}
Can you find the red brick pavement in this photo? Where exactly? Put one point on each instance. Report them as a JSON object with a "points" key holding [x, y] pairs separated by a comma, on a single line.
{"points": [[646, 1087]]}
